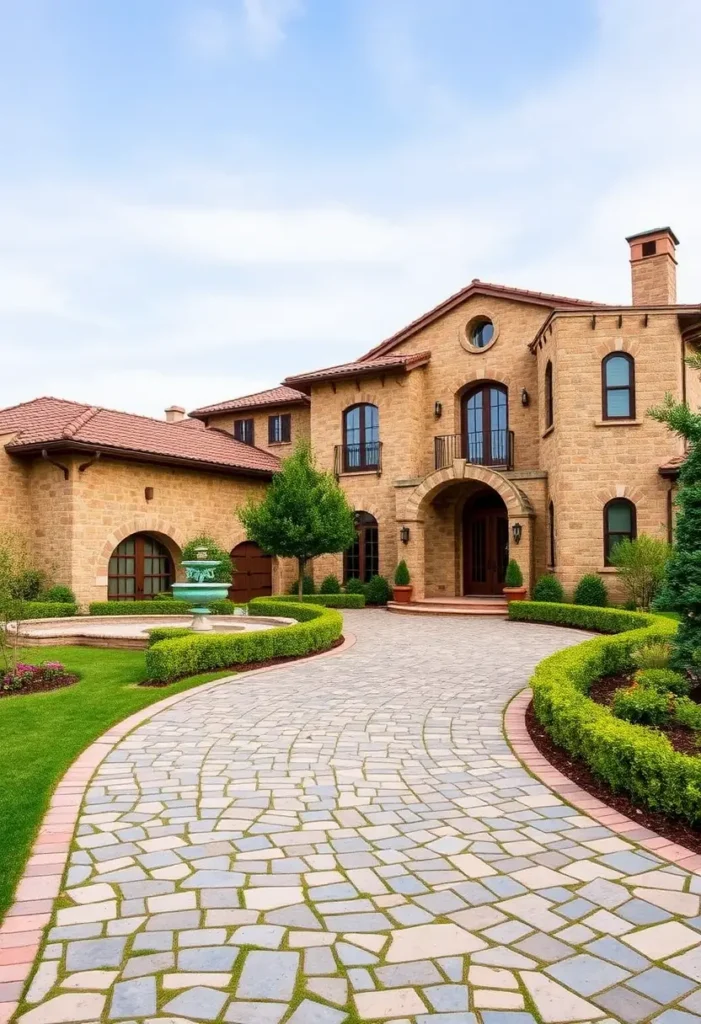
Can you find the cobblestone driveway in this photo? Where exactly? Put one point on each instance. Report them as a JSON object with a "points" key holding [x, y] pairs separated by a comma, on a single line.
{"points": [[351, 839]]}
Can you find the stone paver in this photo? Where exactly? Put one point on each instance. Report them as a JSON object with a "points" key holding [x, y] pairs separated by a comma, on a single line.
{"points": [[352, 836]]}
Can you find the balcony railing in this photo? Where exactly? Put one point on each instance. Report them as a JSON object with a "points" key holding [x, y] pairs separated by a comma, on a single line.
{"points": [[358, 458], [492, 448]]}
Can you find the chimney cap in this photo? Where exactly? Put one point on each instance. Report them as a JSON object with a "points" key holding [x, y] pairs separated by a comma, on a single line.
{"points": [[654, 231], [175, 413]]}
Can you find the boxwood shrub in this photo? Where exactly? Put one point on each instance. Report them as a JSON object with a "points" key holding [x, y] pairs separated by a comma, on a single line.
{"points": [[167, 607], [630, 758], [326, 600], [316, 629], [44, 610]]}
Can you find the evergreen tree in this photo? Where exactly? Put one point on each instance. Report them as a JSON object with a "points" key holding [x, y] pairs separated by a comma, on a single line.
{"points": [[304, 513]]}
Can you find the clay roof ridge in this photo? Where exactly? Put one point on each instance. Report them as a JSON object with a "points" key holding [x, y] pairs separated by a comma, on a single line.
{"points": [[249, 401], [72, 428]]}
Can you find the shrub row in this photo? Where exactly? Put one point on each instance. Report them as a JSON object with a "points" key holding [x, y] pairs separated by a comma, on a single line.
{"points": [[168, 606], [316, 629], [629, 758], [599, 620], [326, 600], [44, 610]]}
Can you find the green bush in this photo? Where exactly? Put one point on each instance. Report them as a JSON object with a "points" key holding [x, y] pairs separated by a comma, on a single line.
{"points": [[378, 590], [167, 633], [330, 585], [513, 576], [643, 705], [652, 655], [224, 571], [326, 600], [43, 610], [28, 585], [687, 713], [549, 588], [59, 594], [226, 607], [316, 629], [591, 591], [640, 565], [402, 576], [355, 586], [599, 620], [307, 585], [664, 680]]}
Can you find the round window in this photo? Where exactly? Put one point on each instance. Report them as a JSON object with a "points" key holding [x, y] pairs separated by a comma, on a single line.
{"points": [[481, 333]]}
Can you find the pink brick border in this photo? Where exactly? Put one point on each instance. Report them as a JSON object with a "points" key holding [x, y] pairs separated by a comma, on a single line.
{"points": [[524, 748], [22, 931]]}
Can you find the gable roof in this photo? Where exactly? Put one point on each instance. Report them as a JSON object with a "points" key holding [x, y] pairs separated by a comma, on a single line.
{"points": [[261, 399], [54, 423], [401, 363], [476, 287]]}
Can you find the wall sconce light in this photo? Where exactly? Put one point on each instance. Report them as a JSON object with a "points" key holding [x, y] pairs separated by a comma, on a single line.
{"points": [[404, 534], [438, 410], [525, 397], [516, 531], [148, 493]]}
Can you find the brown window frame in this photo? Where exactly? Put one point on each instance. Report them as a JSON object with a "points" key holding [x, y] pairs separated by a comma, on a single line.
{"points": [[243, 427], [368, 454], [139, 575], [551, 535], [549, 404], [629, 387], [365, 549], [280, 424], [617, 533]]}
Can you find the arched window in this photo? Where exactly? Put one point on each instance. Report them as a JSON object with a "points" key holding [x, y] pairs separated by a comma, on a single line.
{"points": [[551, 535], [140, 568], [549, 411], [619, 524], [485, 426], [361, 438], [618, 386], [361, 560]]}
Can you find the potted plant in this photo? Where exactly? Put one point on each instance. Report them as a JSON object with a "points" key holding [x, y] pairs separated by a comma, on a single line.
{"points": [[402, 590], [514, 589]]}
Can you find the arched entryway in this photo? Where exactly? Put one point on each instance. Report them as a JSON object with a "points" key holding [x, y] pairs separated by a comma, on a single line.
{"points": [[140, 569], [253, 576], [362, 559], [485, 543]]}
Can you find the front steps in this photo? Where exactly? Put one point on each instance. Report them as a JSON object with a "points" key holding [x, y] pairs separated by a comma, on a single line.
{"points": [[495, 606]]}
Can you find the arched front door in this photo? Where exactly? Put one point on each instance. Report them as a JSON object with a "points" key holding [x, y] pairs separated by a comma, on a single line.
{"points": [[485, 425], [140, 569], [254, 573], [485, 544]]}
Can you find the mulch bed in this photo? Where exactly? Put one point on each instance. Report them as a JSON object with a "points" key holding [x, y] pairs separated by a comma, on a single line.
{"points": [[248, 666], [54, 684], [684, 741], [579, 773]]}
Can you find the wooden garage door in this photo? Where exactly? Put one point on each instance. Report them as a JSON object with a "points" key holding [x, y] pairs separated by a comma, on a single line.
{"points": [[254, 573]]}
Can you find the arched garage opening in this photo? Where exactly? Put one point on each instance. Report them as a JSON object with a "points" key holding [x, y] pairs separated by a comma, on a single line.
{"points": [[254, 573]]}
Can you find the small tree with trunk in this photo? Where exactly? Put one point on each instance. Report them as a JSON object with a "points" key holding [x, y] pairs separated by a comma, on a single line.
{"points": [[304, 513], [16, 582]]}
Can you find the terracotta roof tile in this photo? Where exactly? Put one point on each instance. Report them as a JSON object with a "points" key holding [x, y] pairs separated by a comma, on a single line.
{"points": [[405, 361], [55, 422], [273, 396]]}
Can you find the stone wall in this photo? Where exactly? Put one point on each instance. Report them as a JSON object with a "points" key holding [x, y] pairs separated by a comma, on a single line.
{"points": [[299, 426]]}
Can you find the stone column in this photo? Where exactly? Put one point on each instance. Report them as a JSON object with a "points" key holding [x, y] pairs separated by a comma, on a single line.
{"points": [[524, 551], [413, 554]]}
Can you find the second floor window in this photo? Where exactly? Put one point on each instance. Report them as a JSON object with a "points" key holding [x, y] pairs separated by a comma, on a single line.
{"points": [[243, 431], [361, 437], [618, 386], [279, 428], [549, 410]]}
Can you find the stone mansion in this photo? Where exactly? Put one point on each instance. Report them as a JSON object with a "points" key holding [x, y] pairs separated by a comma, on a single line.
{"points": [[502, 423]]}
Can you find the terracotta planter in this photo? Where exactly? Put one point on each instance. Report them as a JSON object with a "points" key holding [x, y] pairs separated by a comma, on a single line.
{"points": [[514, 594], [402, 595]]}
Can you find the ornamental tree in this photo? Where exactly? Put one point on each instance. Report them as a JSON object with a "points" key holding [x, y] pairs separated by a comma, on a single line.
{"points": [[304, 513], [682, 580]]}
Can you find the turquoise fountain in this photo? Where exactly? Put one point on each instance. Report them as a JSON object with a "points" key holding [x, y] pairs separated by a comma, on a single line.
{"points": [[201, 589]]}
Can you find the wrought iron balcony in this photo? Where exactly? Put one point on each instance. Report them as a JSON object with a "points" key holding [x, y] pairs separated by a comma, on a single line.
{"points": [[493, 448], [358, 458]]}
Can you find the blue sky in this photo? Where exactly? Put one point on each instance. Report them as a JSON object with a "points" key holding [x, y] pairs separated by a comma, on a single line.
{"points": [[198, 198]]}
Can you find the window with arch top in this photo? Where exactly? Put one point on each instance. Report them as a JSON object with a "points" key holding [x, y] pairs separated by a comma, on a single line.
{"points": [[549, 409], [361, 437], [618, 386], [361, 560], [619, 524]]}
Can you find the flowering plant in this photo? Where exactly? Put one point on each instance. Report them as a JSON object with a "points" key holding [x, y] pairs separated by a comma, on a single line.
{"points": [[23, 678]]}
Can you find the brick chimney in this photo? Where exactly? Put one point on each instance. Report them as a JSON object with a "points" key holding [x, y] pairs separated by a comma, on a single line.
{"points": [[175, 413], [653, 267]]}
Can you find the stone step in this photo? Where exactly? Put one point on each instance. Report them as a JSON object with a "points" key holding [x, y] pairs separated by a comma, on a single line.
{"points": [[494, 606]]}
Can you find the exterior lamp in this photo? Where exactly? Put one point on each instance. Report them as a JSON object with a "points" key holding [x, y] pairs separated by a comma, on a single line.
{"points": [[404, 534], [525, 397], [438, 410], [516, 531], [201, 554]]}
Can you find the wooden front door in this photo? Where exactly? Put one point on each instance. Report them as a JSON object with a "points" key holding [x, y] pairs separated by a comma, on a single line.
{"points": [[253, 576], [485, 547]]}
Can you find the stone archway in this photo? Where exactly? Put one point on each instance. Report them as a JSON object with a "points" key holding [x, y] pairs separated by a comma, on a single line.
{"points": [[412, 509], [163, 530]]}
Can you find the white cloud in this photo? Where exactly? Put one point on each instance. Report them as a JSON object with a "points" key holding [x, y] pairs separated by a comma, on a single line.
{"points": [[209, 33], [267, 21], [212, 33]]}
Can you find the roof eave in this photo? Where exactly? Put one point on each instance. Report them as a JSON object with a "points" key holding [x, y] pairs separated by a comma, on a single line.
{"points": [[206, 413], [368, 370], [689, 315]]}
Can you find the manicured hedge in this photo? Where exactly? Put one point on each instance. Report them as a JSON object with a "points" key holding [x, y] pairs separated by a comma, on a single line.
{"points": [[599, 620], [316, 629], [327, 600], [168, 607], [159, 633], [630, 758], [45, 610]]}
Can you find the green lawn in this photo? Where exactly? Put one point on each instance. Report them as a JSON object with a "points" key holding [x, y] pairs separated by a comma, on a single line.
{"points": [[41, 735]]}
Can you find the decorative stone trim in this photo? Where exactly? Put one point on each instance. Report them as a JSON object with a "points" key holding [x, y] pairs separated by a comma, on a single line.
{"points": [[21, 933], [516, 502], [523, 747], [618, 344], [634, 494]]}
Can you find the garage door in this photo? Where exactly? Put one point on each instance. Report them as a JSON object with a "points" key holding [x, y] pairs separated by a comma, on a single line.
{"points": [[254, 573]]}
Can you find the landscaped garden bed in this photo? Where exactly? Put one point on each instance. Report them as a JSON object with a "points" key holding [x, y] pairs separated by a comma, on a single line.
{"points": [[25, 679]]}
